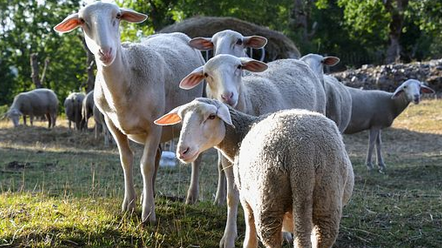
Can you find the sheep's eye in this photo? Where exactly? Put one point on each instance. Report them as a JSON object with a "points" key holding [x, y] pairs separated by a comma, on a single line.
{"points": [[212, 116], [118, 16], [239, 42], [405, 87], [239, 67], [205, 74], [82, 21]]}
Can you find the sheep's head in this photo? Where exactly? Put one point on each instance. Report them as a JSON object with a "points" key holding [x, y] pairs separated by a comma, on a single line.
{"points": [[202, 126], [316, 62], [223, 74], [228, 42], [14, 115], [412, 89], [100, 24]]}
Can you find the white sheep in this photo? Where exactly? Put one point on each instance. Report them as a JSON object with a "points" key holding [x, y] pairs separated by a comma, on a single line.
{"points": [[338, 97], [375, 109], [228, 42], [290, 166], [136, 83], [73, 105], [38, 102], [87, 109], [282, 84]]}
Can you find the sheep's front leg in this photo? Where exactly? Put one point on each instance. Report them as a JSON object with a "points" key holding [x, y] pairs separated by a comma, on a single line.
{"points": [[126, 160], [379, 152], [193, 191], [148, 171], [220, 197], [24, 120], [371, 142], [230, 233]]}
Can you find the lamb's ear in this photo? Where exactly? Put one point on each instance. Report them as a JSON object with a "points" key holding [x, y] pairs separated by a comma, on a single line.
{"points": [[170, 118], [426, 89], [224, 114], [132, 16], [253, 65], [68, 24], [255, 41], [398, 92], [201, 43], [330, 60], [193, 79]]}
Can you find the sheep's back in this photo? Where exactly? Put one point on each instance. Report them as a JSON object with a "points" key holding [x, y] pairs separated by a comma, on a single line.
{"points": [[36, 102]]}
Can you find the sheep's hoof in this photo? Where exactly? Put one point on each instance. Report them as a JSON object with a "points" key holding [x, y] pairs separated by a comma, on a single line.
{"points": [[369, 167], [191, 199], [382, 168]]}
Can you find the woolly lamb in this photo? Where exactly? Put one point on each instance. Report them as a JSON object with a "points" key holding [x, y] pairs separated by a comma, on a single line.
{"points": [[374, 110], [38, 102], [73, 105], [87, 109], [291, 167], [228, 42], [137, 83], [338, 97], [285, 84]]}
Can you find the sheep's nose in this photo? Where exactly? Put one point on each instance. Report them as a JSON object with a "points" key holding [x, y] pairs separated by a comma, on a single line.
{"points": [[227, 96], [105, 51], [416, 98], [183, 151]]}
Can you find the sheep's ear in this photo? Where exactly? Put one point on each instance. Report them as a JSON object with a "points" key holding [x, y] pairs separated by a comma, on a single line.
{"points": [[170, 118], [330, 60], [193, 79], [253, 65], [201, 43], [224, 114], [397, 92], [255, 41], [68, 24], [132, 16], [426, 89]]}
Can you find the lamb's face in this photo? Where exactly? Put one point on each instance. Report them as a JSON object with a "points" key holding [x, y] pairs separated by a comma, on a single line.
{"points": [[14, 115], [412, 89]]}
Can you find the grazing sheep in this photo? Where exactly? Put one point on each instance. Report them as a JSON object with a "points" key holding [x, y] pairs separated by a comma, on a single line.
{"points": [[137, 83], [73, 105], [375, 109], [38, 102], [338, 107], [87, 109], [290, 167], [228, 42], [285, 84]]}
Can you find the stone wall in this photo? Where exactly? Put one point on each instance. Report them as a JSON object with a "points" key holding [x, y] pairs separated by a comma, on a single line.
{"points": [[388, 77]]}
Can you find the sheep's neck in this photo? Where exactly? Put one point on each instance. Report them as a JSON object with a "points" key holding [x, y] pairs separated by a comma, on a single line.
{"points": [[113, 75], [234, 135], [400, 104]]}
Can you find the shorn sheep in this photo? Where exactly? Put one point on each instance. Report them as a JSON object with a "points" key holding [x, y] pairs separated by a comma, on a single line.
{"points": [[291, 167], [73, 105], [38, 102], [282, 84], [374, 110], [136, 83], [338, 97]]}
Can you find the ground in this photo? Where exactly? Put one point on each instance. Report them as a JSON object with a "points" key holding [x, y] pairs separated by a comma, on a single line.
{"points": [[64, 188]]}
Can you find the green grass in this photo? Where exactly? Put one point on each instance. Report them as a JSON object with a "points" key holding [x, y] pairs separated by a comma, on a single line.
{"points": [[60, 188]]}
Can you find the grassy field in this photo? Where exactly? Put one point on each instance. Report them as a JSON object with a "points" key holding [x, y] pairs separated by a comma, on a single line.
{"points": [[61, 188]]}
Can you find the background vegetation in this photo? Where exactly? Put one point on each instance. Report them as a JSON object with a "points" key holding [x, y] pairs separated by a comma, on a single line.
{"points": [[357, 31]]}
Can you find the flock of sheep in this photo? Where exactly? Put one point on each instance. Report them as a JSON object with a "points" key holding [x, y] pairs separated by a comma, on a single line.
{"points": [[277, 126]]}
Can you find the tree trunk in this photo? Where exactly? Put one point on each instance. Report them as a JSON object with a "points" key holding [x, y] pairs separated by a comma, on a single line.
{"points": [[300, 18], [35, 71], [396, 25], [43, 75]]}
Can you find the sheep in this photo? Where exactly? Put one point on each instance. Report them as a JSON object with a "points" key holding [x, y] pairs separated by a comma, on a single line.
{"points": [[338, 107], [137, 83], [38, 102], [375, 109], [87, 109], [287, 83], [228, 42], [290, 167], [100, 126], [73, 105]]}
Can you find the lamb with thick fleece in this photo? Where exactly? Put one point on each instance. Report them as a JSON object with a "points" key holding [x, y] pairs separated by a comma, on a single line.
{"points": [[291, 167]]}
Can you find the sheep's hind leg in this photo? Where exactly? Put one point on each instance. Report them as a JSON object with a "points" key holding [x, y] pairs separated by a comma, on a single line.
{"points": [[250, 239], [381, 163], [326, 229], [231, 230], [373, 134]]}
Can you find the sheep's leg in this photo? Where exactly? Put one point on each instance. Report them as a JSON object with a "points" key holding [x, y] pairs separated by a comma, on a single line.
{"points": [[250, 239], [48, 116], [230, 232], [126, 160], [379, 152], [193, 191], [31, 120], [269, 226], [327, 228], [24, 120], [371, 142], [220, 197], [148, 171], [69, 124]]}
